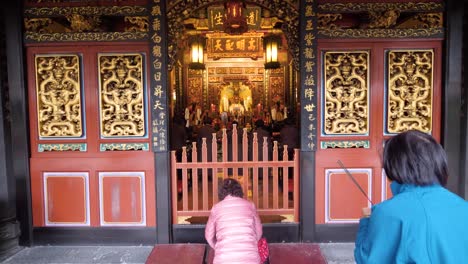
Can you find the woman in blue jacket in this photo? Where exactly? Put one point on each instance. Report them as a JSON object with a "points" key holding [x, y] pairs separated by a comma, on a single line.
{"points": [[423, 222]]}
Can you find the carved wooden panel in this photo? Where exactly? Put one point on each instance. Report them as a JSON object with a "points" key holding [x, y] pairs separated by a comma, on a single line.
{"points": [[277, 88], [409, 90], [195, 89], [346, 93], [122, 103], [58, 92]]}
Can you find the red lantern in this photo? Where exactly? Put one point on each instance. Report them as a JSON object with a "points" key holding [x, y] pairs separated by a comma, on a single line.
{"points": [[236, 22]]}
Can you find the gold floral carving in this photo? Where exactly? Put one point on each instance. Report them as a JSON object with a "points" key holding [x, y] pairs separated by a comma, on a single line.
{"points": [[384, 19], [277, 86], [121, 95], [37, 24], [138, 23], [380, 7], [410, 90], [80, 23], [86, 10], [432, 20], [381, 33], [326, 20], [425, 20], [195, 89], [58, 94], [346, 92], [86, 36]]}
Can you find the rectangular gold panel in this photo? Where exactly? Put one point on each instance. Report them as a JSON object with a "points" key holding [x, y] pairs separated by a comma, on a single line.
{"points": [[410, 90], [217, 17], [58, 92], [248, 45], [346, 93], [121, 95]]}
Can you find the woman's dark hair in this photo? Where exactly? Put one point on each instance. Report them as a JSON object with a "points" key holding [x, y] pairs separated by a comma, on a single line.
{"points": [[414, 157], [230, 187]]}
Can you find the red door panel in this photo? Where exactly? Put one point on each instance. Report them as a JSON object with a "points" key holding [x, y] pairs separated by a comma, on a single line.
{"points": [[353, 128], [89, 165]]}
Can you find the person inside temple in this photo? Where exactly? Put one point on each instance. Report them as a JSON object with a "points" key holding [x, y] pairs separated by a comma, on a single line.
{"points": [[198, 114], [289, 135], [205, 131], [262, 133]]}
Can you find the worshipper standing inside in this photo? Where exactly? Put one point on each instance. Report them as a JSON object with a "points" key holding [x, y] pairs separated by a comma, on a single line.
{"points": [[178, 136], [187, 115], [206, 131], [423, 222], [262, 132], [289, 135], [234, 227]]}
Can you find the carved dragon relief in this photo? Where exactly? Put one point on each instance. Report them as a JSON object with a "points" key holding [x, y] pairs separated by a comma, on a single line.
{"points": [[122, 95], [346, 93], [380, 20], [58, 96], [410, 90], [86, 23]]}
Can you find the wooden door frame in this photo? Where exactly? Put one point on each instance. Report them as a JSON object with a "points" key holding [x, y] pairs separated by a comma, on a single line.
{"points": [[455, 117]]}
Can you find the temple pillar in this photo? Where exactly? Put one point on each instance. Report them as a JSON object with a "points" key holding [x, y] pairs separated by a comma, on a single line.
{"points": [[9, 226]]}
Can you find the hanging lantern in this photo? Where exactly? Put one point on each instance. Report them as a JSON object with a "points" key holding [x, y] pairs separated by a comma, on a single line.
{"points": [[196, 54], [271, 45], [235, 22]]}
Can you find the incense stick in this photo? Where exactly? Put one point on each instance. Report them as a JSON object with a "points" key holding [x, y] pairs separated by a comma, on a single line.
{"points": [[354, 180]]}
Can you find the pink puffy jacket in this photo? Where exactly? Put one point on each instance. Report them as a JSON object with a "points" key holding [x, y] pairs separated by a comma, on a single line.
{"points": [[233, 230]]}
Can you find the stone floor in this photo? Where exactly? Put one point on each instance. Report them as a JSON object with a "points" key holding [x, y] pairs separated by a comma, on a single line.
{"points": [[335, 253]]}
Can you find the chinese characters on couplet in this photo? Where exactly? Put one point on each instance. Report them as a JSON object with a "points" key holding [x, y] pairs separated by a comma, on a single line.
{"points": [[158, 99], [309, 85]]}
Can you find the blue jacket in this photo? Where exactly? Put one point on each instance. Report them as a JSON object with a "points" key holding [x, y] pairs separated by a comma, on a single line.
{"points": [[418, 225]]}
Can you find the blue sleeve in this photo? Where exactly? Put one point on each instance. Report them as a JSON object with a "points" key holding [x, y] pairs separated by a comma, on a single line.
{"points": [[379, 238]]}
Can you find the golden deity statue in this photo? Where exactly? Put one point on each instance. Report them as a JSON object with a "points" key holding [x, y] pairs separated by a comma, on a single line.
{"points": [[235, 98]]}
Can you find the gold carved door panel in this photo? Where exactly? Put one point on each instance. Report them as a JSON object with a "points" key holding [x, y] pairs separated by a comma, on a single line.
{"points": [[369, 91], [91, 164]]}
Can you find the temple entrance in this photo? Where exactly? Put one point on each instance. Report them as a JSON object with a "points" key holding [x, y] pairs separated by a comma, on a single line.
{"points": [[105, 83], [225, 90]]}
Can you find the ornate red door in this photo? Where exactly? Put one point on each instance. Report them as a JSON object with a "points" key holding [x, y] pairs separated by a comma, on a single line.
{"points": [[91, 163], [369, 92]]}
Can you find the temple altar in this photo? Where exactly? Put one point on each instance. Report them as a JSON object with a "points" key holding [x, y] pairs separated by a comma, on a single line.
{"points": [[235, 98]]}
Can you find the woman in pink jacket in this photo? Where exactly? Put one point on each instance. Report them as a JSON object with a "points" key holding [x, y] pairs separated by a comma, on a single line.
{"points": [[234, 228]]}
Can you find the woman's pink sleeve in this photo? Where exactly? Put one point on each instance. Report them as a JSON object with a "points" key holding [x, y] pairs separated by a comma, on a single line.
{"points": [[258, 223], [210, 231]]}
